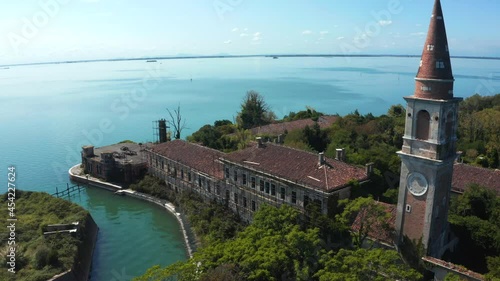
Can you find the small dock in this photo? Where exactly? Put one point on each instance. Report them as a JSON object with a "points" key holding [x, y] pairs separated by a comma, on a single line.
{"points": [[68, 191]]}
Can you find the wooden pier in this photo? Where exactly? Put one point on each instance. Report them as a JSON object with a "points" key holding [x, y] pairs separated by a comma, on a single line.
{"points": [[70, 189]]}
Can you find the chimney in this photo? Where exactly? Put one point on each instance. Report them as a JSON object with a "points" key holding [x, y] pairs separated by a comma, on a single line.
{"points": [[338, 154], [369, 169], [259, 142], [88, 151], [321, 158], [162, 130], [280, 139]]}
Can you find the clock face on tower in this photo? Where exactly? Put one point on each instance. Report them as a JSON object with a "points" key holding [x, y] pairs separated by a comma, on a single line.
{"points": [[417, 184]]}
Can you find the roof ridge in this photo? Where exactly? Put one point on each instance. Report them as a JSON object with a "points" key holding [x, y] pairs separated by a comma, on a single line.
{"points": [[477, 167], [199, 145]]}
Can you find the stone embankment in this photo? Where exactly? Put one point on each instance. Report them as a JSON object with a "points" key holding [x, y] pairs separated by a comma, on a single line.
{"points": [[75, 174]]}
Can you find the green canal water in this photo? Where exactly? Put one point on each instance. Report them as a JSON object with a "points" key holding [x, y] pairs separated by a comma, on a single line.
{"points": [[133, 235]]}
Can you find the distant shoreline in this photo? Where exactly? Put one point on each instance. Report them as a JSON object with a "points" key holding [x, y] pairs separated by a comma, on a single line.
{"points": [[271, 56]]}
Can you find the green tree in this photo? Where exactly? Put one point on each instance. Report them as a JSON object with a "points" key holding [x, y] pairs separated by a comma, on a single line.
{"points": [[364, 264], [273, 247], [493, 268], [303, 114], [372, 216], [475, 219], [254, 111], [478, 130]]}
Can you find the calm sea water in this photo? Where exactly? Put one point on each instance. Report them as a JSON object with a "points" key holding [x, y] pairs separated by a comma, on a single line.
{"points": [[47, 112]]}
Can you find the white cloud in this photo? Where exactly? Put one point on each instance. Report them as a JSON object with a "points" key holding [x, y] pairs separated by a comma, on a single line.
{"points": [[235, 29], [256, 39], [306, 32], [228, 42], [243, 35], [324, 32], [384, 22], [340, 37], [256, 34]]}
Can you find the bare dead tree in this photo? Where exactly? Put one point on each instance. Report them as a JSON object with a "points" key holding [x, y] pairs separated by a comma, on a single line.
{"points": [[178, 123]]}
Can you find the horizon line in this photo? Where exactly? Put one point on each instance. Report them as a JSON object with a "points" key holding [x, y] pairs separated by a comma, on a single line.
{"points": [[233, 56]]}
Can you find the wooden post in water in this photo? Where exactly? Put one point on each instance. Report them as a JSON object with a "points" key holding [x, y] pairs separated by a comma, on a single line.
{"points": [[57, 192]]}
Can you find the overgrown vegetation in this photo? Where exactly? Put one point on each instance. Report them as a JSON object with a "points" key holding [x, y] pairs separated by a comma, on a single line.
{"points": [[210, 221], [258, 252], [303, 114], [280, 245], [254, 111], [39, 258], [479, 127], [475, 219], [218, 136]]}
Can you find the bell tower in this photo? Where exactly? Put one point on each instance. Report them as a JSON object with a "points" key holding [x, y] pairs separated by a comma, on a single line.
{"points": [[429, 145]]}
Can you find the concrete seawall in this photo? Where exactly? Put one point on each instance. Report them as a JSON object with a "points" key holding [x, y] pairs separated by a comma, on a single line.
{"points": [[83, 262], [164, 204], [74, 175]]}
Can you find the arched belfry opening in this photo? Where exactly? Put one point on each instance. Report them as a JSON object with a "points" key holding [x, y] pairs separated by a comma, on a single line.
{"points": [[423, 124]]}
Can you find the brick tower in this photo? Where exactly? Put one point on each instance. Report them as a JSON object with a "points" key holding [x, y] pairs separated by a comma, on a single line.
{"points": [[429, 145]]}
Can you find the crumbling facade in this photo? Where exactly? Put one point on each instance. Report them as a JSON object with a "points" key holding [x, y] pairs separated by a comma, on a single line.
{"points": [[119, 163], [263, 173]]}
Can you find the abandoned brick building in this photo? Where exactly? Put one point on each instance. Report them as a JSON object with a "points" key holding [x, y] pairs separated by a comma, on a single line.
{"points": [[261, 173]]}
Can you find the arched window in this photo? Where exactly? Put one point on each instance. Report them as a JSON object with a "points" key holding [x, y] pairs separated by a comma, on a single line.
{"points": [[449, 126], [423, 122]]}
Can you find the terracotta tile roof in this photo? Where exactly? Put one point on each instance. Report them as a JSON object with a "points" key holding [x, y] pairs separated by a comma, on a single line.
{"points": [[198, 157], [297, 166], [380, 231], [453, 267], [464, 175], [435, 61], [279, 128]]}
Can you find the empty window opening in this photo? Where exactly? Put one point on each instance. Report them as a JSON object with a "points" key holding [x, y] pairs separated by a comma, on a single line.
{"points": [[440, 64], [282, 193], [408, 208], [423, 120]]}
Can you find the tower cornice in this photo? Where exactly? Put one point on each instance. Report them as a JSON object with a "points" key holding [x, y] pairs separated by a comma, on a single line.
{"points": [[435, 80]]}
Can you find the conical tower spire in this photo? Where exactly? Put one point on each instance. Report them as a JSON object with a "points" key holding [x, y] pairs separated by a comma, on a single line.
{"points": [[435, 78]]}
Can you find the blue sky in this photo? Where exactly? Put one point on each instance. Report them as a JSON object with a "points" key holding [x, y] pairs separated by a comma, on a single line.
{"points": [[51, 30]]}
